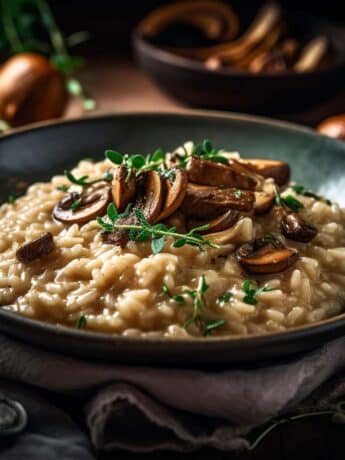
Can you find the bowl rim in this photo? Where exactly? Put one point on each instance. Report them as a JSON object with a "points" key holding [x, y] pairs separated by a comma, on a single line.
{"points": [[169, 58], [300, 332]]}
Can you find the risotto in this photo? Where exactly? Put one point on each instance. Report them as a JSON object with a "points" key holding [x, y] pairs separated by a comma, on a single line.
{"points": [[194, 243]]}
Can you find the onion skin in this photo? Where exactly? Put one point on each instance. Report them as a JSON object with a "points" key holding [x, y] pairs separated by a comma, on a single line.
{"points": [[31, 90]]}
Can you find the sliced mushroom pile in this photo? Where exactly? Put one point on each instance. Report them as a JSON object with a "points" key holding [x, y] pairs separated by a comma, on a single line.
{"points": [[200, 192]]}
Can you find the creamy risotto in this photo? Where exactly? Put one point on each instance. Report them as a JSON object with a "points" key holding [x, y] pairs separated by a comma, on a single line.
{"points": [[198, 242]]}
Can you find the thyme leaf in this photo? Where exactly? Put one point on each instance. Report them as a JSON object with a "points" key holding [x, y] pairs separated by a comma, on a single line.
{"points": [[224, 298], [81, 322], [76, 205], [176, 298], [289, 201], [206, 151], [137, 164], [251, 292]]}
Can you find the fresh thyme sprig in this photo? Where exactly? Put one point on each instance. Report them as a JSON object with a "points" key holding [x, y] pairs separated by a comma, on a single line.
{"points": [[83, 180], [137, 164], [199, 302], [157, 233], [251, 292], [197, 295]]}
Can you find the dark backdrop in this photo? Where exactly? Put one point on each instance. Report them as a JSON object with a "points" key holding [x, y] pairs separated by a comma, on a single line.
{"points": [[110, 21]]}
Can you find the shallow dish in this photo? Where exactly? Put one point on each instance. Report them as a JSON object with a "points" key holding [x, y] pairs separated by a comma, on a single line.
{"points": [[251, 136]]}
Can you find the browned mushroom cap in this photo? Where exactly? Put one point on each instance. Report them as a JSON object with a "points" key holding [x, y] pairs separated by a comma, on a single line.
{"points": [[294, 228], [123, 188], [150, 196], [201, 201], [208, 172], [218, 224], [176, 191], [263, 202], [278, 170], [36, 249], [93, 203], [266, 256]]}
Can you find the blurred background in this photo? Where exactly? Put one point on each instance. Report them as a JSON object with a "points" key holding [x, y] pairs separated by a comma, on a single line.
{"points": [[120, 57]]}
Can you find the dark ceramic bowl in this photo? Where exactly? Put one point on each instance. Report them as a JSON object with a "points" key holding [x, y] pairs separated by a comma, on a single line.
{"points": [[38, 152], [191, 82]]}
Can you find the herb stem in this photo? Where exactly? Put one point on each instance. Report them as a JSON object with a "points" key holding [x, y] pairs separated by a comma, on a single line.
{"points": [[191, 239], [54, 32], [10, 28]]}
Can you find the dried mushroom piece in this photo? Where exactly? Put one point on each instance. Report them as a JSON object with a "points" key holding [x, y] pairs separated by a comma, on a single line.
{"points": [[123, 187], [203, 201], [81, 208], [266, 256], [278, 170], [207, 172], [218, 224], [36, 249], [295, 228], [175, 192]]}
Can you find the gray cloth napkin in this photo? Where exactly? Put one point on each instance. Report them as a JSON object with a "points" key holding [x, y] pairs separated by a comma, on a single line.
{"points": [[144, 409]]}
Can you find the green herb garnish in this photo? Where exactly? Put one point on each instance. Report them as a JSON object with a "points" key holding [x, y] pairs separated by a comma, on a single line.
{"points": [[212, 325], [238, 193], [83, 180], [81, 322], [62, 188], [289, 201], [137, 164], [251, 292], [206, 151], [224, 298], [301, 190], [176, 298], [197, 295], [11, 199], [157, 233], [76, 205], [198, 300], [292, 203]]}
